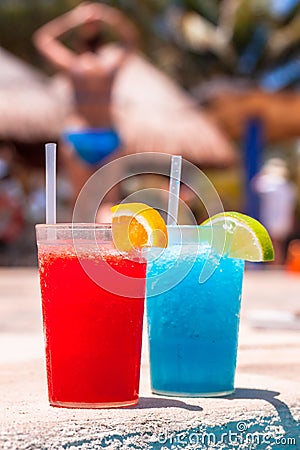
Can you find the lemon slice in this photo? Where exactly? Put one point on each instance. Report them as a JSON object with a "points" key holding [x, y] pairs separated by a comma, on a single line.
{"points": [[248, 238], [136, 225]]}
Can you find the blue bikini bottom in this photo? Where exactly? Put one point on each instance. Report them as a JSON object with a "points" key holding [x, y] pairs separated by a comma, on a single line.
{"points": [[93, 144]]}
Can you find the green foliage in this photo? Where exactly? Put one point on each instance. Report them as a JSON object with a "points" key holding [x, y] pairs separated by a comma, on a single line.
{"points": [[182, 51], [19, 20]]}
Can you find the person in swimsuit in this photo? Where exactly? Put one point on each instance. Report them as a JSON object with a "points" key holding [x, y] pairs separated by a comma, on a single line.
{"points": [[92, 69]]}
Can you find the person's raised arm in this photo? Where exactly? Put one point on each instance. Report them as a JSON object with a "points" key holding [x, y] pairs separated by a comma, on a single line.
{"points": [[46, 38], [117, 21]]}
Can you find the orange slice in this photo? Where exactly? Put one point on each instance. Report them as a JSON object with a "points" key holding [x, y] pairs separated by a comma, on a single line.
{"points": [[136, 225]]}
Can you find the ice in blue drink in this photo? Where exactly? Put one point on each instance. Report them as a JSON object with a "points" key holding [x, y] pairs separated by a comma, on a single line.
{"points": [[193, 326]]}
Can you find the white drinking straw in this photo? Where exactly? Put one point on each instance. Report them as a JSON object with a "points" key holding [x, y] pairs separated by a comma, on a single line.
{"points": [[50, 183], [175, 176]]}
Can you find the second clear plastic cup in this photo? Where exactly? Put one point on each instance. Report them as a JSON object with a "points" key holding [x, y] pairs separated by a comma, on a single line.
{"points": [[193, 326]]}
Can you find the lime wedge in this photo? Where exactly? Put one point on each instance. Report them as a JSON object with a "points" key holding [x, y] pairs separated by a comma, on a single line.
{"points": [[249, 240]]}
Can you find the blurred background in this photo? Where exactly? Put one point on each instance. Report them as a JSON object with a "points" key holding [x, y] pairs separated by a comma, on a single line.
{"points": [[214, 80]]}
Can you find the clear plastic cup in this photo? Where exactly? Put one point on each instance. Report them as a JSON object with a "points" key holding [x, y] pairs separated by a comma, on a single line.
{"points": [[193, 326], [92, 302]]}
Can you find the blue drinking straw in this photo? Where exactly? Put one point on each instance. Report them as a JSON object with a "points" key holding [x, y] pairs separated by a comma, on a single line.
{"points": [[174, 189], [50, 183]]}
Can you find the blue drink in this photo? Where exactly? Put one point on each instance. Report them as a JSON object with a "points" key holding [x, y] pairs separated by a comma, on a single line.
{"points": [[193, 327]]}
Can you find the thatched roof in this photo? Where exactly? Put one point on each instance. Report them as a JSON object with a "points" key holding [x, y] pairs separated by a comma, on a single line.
{"points": [[279, 112], [154, 114], [31, 105]]}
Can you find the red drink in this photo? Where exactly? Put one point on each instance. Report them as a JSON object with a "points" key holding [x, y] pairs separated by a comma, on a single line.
{"points": [[93, 336]]}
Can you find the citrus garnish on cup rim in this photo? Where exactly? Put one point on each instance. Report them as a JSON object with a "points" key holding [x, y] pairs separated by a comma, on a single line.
{"points": [[249, 240], [136, 225]]}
